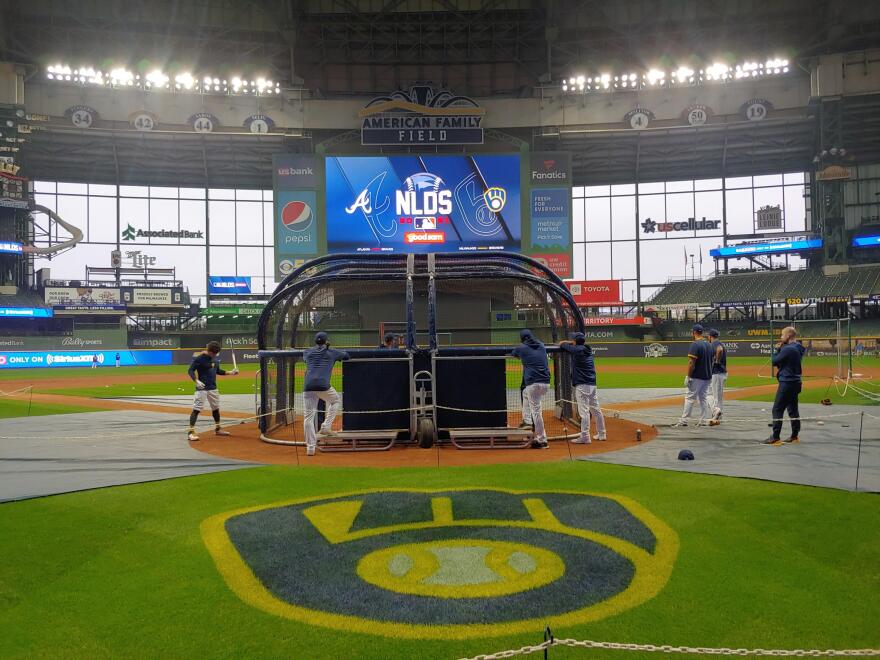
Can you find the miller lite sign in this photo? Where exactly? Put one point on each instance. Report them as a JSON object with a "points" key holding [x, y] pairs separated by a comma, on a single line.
{"points": [[422, 115]]}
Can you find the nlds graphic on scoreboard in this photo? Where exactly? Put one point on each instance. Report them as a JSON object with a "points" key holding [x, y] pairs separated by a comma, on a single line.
{"points": [[423, 203]]}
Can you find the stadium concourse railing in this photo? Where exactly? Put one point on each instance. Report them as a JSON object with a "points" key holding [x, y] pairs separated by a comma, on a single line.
{"points": [[279, 322]]}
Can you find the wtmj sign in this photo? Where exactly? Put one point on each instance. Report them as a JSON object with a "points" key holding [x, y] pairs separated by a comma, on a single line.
{"points": [[422, 115]]}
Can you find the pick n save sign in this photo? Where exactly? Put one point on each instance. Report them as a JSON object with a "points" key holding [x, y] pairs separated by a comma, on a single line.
{"points": [[595, 293]]}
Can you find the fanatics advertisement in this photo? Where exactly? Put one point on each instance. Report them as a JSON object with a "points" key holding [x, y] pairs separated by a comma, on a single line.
{"points": [[549, 211], [423, 203]]}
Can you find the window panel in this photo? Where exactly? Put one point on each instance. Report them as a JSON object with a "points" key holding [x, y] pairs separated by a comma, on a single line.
{"points": [[598, 261], [163, 193], [134, 191], [768, 180], [651, 187], [598, 218], [134, 213], [249, 223], [163, 217], [667, 259], [653, 208], [249, 261], [268, 225], [73, 188], [71, 265], [794, 177], [75, 210], [269, 266], [597, 191], [679, 186], [192, 218], [628, 290], [222, 260], [795, 208], [680, 207], [102, 190], [767, 197], [707, 184], [623, 260], [44, 186], [738, 182], [578, 219], [221, 220], [247, 194], [709, 205], [102, 219], [221, 193], [192, 193], [577, 191], [624, 189], [623, 218], [268, 195], [579, 257], [739, 212]]}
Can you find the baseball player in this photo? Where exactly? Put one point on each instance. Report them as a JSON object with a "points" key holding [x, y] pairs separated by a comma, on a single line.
{"points": [[388, 341], [319, 364], [787, 359], [699, 374], [583, 377], [536, 376], [203, 371], [719, 377]]}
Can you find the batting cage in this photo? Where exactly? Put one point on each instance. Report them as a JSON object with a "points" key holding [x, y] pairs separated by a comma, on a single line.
{"points": [[445, 375]]}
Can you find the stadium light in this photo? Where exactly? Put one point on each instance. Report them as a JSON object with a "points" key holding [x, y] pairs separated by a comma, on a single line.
{"points": [[157, 80], [683, 75]]}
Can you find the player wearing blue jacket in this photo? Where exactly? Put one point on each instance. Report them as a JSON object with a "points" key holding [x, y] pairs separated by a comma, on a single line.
{"points": [[583, 377], [787, 360], [536, 376], [699, 375], [319, 364]]}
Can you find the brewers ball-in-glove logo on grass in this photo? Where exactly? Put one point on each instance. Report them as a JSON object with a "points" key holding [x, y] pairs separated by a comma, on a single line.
{"points": [[444, 564]]}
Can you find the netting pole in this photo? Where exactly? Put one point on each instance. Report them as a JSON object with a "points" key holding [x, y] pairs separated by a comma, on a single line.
{"points": [[859, 455], [849, 342]]}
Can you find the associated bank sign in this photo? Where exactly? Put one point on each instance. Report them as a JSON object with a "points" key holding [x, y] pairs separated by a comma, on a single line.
{"points": [[422, 115], [132, 234]]}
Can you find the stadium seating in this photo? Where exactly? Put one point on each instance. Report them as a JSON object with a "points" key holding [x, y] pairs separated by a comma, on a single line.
{"points": [[770, 285]]}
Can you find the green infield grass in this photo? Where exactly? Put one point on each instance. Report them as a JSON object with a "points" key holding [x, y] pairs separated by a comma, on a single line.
{"points": [[24, 408], [125, 572]]}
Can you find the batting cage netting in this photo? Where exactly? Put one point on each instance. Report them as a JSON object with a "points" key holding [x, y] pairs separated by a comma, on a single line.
{"points": [[450, 321]]}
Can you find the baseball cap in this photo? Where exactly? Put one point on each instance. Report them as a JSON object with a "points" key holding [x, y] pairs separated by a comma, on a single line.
{"points": [[525, 333], [321, 338], [697, 328], [389, 336], [578, 337], [713, 332], [685, 455]]}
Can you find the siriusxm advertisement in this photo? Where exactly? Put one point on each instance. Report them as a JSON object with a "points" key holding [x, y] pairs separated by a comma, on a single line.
{"points": [[31, 359], [424, 203]]}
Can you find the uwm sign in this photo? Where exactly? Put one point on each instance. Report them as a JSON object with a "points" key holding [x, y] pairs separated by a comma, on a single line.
{"points": [[595, 293]]}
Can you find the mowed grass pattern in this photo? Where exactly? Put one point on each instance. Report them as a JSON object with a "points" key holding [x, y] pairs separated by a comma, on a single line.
{"points": [[123, 572]]}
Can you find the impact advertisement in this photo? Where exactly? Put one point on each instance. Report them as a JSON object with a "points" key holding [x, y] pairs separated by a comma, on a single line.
{"points": [[425, 203], [32, 359]]}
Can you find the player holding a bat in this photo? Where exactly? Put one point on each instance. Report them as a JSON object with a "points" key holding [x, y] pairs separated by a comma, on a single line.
{"points": [[203, 371]]}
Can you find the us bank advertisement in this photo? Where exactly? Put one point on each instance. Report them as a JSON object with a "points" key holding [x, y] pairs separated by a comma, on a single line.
{"points": [[296, 181]]}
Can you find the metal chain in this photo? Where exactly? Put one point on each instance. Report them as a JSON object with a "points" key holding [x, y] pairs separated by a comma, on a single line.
{"points": [[665, 648]]}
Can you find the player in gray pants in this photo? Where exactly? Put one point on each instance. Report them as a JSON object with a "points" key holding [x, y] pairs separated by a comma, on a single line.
{"points": [[699, 375]]}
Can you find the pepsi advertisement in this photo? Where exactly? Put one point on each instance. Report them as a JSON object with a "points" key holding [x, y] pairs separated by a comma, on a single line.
{"points": [[423, 203]]}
